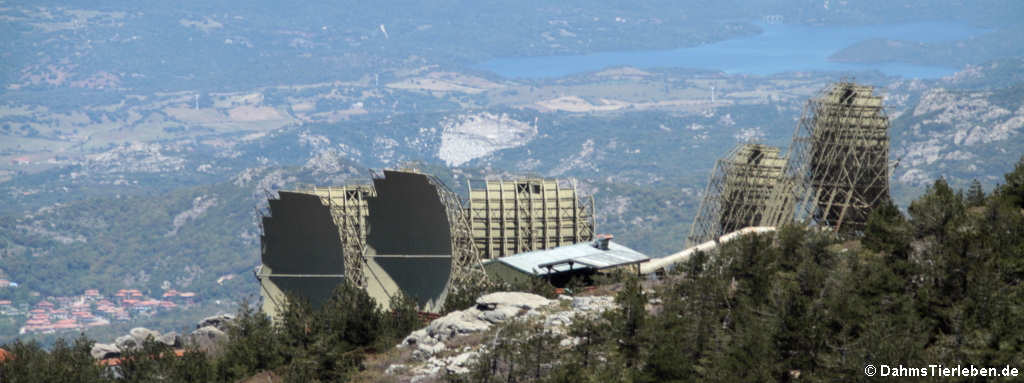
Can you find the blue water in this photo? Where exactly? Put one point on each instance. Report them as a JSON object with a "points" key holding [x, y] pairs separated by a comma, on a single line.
{"points": [[779, 48]]}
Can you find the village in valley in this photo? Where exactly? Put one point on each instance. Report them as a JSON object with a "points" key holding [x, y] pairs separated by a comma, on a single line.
{"points": [[91, 309]]}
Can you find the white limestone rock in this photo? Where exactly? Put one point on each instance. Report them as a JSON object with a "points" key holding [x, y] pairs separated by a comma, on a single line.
{"points": [[140, 334], [104, 351], [517, 299]]}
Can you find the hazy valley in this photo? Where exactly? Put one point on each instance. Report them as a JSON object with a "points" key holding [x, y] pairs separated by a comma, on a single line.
{"points": [[136, 158]]}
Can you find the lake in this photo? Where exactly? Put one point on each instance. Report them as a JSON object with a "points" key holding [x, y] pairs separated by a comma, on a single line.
{"points": [[779, 48]]}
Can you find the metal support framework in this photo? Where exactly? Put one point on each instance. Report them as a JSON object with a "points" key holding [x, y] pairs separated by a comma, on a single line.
{"points": [[737, 194], [512, 217], [466, 266], [837, 168], [349, 210]]}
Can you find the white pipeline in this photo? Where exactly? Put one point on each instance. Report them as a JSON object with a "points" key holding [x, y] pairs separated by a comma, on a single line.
{"points": [[658, 264]]}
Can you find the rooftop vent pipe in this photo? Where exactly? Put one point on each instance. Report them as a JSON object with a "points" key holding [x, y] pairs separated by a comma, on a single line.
{"points": [[601, 241]]}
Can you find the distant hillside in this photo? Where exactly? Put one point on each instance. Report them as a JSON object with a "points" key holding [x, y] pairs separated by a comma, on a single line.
{"points": [[961, 134]]}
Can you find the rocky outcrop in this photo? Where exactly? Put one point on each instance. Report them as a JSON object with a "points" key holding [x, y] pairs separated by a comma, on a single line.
{"points": [[954, 134], [436, 348], [171, 339], [105, 351], [209, 333], [207, 338], [219, 321], [524, 301], [467, 137], [140, 334]]}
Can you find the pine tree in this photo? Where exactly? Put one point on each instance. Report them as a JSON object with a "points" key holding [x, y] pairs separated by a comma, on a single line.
{"points": [[628, 320], [975, 194], [70, 363], [254, 345], [400, 321], [888, 232], [1013, 190], [193, 366], [150, 361], [936, 212]]}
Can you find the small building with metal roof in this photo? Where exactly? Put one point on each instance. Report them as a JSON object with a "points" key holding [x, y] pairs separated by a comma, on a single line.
{"points": [[562, 263]]}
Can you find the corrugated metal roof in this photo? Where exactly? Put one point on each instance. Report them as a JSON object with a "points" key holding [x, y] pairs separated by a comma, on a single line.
{"points": [[582, 255]]}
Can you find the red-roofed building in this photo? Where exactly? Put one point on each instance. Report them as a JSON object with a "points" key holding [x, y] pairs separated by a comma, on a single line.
{"points": [[45, 304], [5, 355], [92, 293], [81, 314], [188, 297], [5, 303], [171, 293], [60, 313], [66, 324]]}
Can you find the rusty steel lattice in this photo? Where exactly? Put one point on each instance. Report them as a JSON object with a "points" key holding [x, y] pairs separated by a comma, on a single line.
{"points": [[837, 168], [466, 267], [740, 187], [349, 210], [512, 217]]}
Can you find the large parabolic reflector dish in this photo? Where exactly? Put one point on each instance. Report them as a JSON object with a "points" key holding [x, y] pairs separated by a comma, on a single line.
{"points": [[406, 234]]}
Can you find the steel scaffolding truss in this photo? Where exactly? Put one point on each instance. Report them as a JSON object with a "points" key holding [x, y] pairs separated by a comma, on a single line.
{"points": [[349, 210], [466, 266], [738, 192], [512, 217], [836, 171], [837, 168]]}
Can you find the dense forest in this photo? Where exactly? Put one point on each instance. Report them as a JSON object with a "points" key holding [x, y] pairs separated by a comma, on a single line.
{"points": [[940, 284]]}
